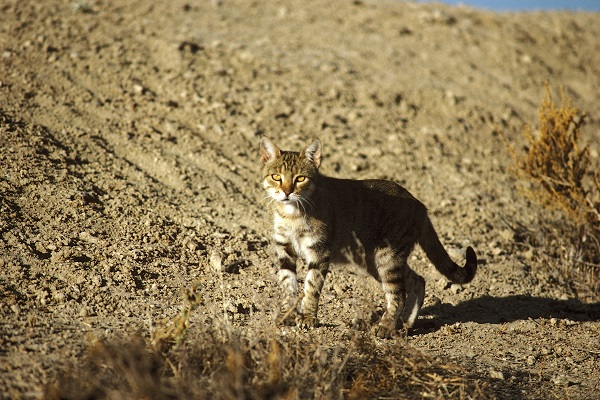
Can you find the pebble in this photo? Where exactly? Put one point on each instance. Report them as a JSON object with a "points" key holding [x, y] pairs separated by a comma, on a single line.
{"points": [[15, 308], [455, 288], [138, 89], [545, 351], [560, 380], [97, 280], [84, 312], [442, 284], [528, 255], [495, 374], [507, 234], [215, 261]]}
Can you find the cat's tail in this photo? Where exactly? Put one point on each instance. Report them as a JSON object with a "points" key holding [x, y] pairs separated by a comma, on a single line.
{"points": [[436, 253]]}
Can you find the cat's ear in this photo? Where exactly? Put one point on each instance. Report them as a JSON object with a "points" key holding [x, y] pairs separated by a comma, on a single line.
{"points": [[313, 152], [268, 150]]}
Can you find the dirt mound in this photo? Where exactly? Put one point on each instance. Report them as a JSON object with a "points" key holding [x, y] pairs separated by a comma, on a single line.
{"points": [[129, 174]]}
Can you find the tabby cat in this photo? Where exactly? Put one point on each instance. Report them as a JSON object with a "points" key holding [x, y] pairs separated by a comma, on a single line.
{"points": [[372, 223]]}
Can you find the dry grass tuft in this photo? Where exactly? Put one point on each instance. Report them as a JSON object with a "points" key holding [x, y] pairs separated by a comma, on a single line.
{"points": [[123, 369], [174, 331], [562, 178], [215, 362], [272, 369]]}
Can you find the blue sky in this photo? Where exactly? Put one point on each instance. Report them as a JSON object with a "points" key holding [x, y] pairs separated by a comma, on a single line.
{"points": [[516, 5]]}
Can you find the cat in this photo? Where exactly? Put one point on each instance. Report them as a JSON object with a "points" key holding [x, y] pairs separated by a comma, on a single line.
{"points": [[372, 223]]}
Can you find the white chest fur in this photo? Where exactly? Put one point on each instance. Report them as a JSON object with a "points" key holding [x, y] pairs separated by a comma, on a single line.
{"points": [[298, 233]]}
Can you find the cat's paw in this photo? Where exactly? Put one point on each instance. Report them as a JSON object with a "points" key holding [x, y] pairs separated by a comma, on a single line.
{"points": [[384, 331], [306, 321], [287, 318]]}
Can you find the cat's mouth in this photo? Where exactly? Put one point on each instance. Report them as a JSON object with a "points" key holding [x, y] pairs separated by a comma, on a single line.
{"points": [[287, 200], [282, 198]]}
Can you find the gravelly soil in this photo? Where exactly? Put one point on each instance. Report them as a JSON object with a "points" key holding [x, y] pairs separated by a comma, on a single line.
{"points": [[129, 157]]}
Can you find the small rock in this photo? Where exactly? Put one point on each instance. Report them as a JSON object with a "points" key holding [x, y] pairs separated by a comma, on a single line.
{"points": [[97, 280], [39, 247], [84, 312], [138, 89], [526, 59], [470, 353], [564, 296], [495, 374], [442, 284], [569, 360], [15, 308], [215, 261], [507, 234], [455, 288], [545, 351], [530, 360], [58, 296], [560, 380], [192, 245], [528, 254], [340, 288]]}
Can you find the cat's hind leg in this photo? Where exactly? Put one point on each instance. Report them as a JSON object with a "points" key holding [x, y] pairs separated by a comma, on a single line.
{"points": [[415, 285], [391, 268]]}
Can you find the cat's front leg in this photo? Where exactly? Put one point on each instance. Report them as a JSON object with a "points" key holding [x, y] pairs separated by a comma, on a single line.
{"points": [[288, 283], [313, 285]]}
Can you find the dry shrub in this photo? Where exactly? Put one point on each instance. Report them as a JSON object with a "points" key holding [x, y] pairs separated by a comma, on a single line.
{"points": [[215, 360], [562, 178], [122, 369], [290, 367], [174, 331]]}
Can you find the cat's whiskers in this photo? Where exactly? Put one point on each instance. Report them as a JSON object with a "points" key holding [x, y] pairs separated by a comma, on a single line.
{"points": [[265, 198], [301, 204], [304, 214], [307, 201]]}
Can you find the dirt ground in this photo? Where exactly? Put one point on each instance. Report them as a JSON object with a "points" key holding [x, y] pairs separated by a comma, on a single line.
{"points": [[129, 170]]}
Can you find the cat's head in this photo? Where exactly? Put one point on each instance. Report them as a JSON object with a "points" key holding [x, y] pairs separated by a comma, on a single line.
{"points": [[289, 177]]}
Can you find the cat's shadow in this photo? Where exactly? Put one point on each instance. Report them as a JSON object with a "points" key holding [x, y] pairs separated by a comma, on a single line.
{"points": [[499, 310]]}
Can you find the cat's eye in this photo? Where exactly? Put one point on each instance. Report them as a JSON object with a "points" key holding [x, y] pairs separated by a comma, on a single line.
{"points": [[276, 177], [300, 178]]}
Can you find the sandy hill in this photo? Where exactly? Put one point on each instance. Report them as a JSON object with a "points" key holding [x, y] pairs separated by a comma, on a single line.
{"points": [[129, 170]]}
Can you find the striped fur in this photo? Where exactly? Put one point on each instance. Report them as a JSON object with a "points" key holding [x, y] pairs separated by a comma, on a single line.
{"points": [[373, 223]]}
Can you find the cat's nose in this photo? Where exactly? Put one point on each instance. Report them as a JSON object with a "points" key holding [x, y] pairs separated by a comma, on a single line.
{"points": [[287, 191]]}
